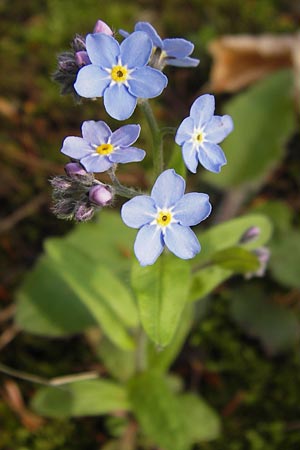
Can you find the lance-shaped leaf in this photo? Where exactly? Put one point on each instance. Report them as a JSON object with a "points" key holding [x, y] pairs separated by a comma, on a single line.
{"points": [[173, 422], [81, 398], [47, 304], [105, 296], [223, 253], [161, 291]]}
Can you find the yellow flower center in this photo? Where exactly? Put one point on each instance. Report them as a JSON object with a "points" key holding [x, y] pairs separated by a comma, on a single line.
{"points": [[105, 149], [119, 74], [163, 218], [199, 137]]}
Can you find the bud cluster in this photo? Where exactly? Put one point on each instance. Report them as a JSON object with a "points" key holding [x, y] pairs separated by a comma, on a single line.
{"points": [[78, 195]]}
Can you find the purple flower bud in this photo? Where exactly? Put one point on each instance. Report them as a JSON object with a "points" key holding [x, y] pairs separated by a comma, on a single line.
{"points": [[100, 194], [263, 255], [102, 27], [60, 183], [74, 169], [84, 213], [78, 43], [82, 58], [250, 235]]}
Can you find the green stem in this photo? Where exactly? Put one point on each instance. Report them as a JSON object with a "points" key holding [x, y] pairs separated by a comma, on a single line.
{"points": [[121, 190], [141, 351], [157, 144]]}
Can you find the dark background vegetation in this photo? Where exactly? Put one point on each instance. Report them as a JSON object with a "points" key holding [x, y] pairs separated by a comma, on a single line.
{"points": [[256, 392]]}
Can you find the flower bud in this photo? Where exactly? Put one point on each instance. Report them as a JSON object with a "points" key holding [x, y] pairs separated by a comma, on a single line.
{"points": [[84, 213], [100, 194], [102, 27], [78, 43], [82, 58], [250, 235], [74, 169], [263, 256], [60, 183]]}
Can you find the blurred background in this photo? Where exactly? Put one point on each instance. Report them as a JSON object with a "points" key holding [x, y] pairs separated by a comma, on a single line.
{"points": [[244, 359]]}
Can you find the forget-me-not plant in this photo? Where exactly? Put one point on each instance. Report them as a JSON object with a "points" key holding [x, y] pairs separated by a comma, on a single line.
{"points": [[123, 73]]}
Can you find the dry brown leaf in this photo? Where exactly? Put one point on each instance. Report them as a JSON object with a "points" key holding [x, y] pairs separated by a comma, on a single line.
{"points": [[241, 60], [13, 397]]}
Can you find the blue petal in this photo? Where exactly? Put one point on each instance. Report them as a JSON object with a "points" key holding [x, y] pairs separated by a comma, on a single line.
{"points": [[148, 244], [183, 62], [218, 128], [151, 32], [192, 208], [127, 154], [118, 102], [125, 135], [95, 132], [203, 109], [179, 48], [147, 82], [91, 81], [76, 147], [96, 163], [185, 131], [103, 50], [138, 211], [181, 241], [190, 156], [135, 50], [124, 33], [211, 156], [168, 189]]}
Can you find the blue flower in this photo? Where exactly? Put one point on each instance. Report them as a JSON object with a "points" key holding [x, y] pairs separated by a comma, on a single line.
{"points": [[165, 217], [118, 73], [199, 134], [100, 148], [174, 52]]}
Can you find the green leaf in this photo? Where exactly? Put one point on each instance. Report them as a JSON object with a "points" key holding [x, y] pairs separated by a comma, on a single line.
{"points": [[263, 119], [220, 257], [166, 418], [285, 259], [46, 305], [206, 280], [161, 359], [279, 213], [276, 327], [176, 161], [80, 398], [106, 297], [229, 234], [161, 291], [237, 259], [202, 422], [120, 363], [108, 241]]}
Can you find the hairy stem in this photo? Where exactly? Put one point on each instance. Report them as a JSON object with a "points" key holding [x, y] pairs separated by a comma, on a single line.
{"points": [[121, 190]]}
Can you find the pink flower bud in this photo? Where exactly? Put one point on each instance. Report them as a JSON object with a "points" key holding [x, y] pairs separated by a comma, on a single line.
{"points": [[82, 58], [250, 235], [102, 27], [74, 169], [100, 194], [84, 213]]}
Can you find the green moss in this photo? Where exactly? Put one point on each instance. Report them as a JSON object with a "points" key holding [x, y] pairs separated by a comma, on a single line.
{"points": [[265, 416]]}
